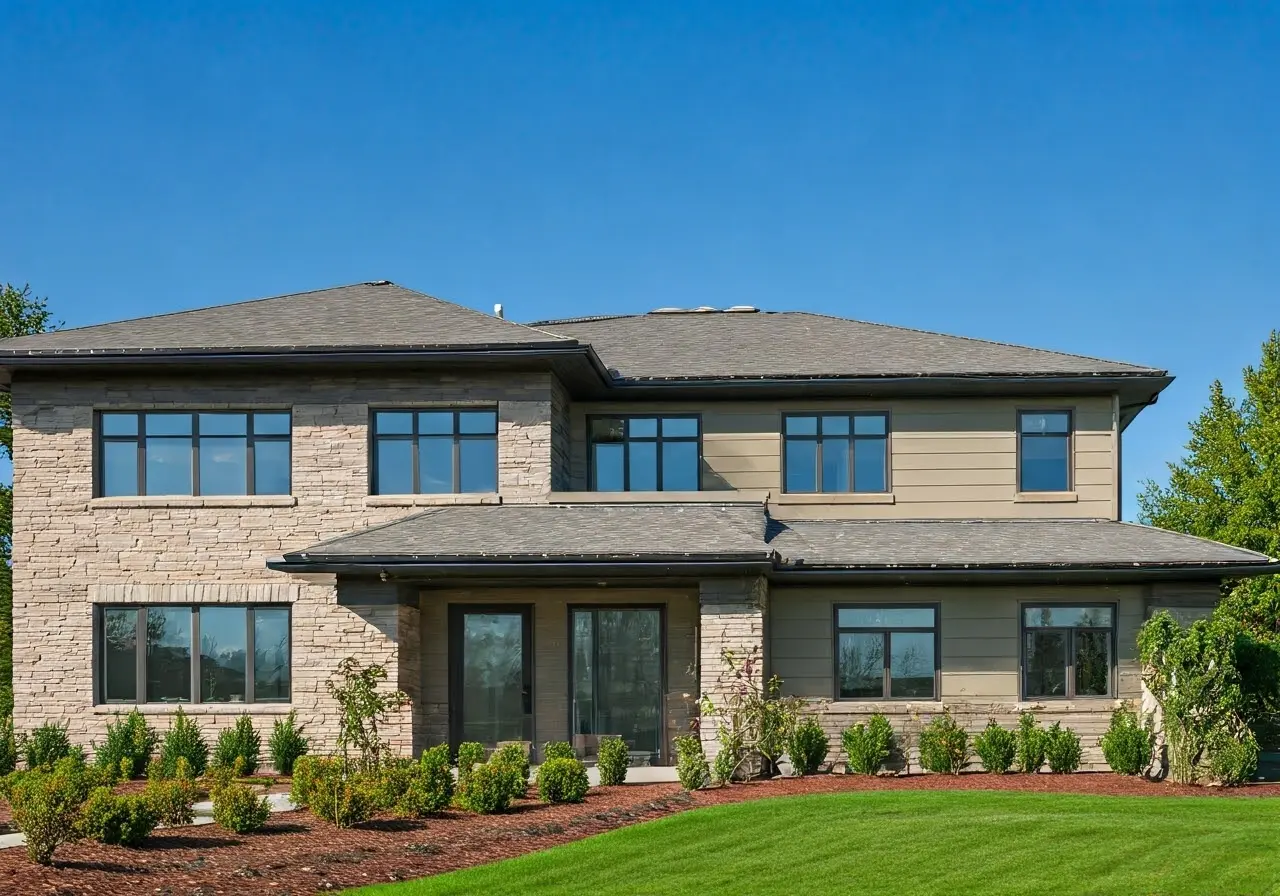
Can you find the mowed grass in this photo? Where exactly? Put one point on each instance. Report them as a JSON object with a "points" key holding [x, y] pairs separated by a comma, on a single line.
{"points": [[969, 842]]}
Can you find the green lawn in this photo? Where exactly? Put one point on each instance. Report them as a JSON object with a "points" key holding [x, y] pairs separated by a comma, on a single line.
{"points": [[969, 842]]}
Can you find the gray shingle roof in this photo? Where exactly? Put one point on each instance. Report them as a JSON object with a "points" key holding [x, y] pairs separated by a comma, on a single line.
{"points": [[719, 345], [364, 315]]}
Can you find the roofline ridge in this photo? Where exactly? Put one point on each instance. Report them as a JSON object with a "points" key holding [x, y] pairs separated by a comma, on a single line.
{"points": [[578, 320]]}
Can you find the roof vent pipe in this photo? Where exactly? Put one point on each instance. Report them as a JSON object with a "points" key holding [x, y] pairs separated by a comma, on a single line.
{"points": [[497, 311]]}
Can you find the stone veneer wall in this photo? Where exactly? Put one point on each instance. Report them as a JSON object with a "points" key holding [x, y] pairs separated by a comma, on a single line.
{"points": [[732, 618], [72, 550]]}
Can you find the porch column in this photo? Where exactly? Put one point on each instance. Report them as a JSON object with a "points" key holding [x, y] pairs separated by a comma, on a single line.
{"points": [[732, 619]]}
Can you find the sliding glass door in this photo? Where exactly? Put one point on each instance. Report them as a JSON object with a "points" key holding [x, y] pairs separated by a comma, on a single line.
{"points": [[617, 680], [490, 674]]}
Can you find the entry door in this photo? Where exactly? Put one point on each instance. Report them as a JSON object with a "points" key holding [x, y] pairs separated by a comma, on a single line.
{"points": [[618, 681], [490, 674]]}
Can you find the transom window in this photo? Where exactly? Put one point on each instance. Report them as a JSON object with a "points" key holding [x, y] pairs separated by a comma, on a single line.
{"points": [[193, 453], [435, 452], [1044, 451], [835, 452], [887, 653], [149, 654], [646, 454], [1067, 651]]}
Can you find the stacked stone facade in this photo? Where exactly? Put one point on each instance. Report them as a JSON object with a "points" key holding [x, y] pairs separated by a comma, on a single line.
{"points": [[732, 623]]}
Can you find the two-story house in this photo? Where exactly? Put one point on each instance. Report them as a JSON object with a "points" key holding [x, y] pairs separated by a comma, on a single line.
{"points": [[553, 531]]}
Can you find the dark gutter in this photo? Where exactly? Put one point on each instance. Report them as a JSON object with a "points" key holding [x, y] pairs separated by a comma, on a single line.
{"points": [[1029, 573], [529, 569]]}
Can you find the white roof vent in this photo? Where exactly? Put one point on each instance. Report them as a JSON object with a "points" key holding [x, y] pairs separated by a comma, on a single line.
{"points": [[705, 308], [667, 310], [743, 309]]}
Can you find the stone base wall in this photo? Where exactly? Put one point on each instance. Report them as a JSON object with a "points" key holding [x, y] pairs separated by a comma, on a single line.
{"points": [[732, 619]]}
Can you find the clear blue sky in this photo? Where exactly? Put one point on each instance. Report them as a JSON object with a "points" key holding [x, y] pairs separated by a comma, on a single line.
{"points": [[1096, 178]]}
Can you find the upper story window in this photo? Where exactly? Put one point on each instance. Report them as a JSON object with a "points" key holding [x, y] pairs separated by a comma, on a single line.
{"points": [[1066, 651], [886, 653], [1044, 451], [835, 452], [646, 453], [435, 452], [193, 453]]}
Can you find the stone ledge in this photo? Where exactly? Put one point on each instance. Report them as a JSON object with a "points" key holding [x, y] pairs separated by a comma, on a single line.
{"points": [[194, 709], [162, 501], [836, 498], [430, 500], [1046, 498]]}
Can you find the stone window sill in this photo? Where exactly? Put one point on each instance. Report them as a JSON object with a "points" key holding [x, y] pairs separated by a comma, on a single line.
{"points": [[430, 500], [719, 496], [1046, 498], [134, 501], [836, 498], [887, 707], [193, 709]]}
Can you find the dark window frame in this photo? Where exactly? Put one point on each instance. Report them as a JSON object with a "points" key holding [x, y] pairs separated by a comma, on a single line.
{"points": [[664, 746], [1069, 687], [885, 631], [139, 441], [853, 438], [1069, 435], [414, 439], [140, 647], [454, 635], [657, 440]]}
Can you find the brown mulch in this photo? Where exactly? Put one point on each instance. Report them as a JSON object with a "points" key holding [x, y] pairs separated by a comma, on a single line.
{"points": [[297, 853]]}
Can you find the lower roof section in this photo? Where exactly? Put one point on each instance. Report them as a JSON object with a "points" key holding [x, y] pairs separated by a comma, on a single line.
{"points": [[705, 538]]}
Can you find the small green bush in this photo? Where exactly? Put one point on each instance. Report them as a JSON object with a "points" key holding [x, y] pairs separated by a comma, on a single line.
{"points": [[944, 746], [8, 746], [117, 820], [129, 745], [237, 808], [997, 748], [726, 764], [46, 745], [240, 743], [46, 807], [1031, 744], [557, 749], [286, 743], [183, 740], [172, 800], [691, 762], [1128, 743], [1233, 760], [305, 770], [333, 794], [470, 754], [868, 746], [429, 785], [807, 745], [487, 789], [612, 761], [515, 756], [562, 781], [1062, 749]]}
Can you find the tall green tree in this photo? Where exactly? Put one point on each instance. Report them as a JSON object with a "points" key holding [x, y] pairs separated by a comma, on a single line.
{"points": [[21, 314]]}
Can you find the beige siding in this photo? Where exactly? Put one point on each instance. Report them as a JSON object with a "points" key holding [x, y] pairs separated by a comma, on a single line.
{"points": [[950, 458]]}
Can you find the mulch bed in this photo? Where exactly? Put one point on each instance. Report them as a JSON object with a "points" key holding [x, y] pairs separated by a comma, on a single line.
{"points": [[297, 853]]}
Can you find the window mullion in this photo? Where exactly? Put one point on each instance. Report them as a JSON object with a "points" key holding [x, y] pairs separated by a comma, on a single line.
{"points": [[817, 470], [657, 454], [415, 444], [141, 445], [249, 651], [195, 654], [886, 682], [140, 651], [249, 461]]}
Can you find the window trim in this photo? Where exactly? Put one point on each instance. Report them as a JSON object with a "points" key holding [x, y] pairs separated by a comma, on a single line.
{"points": [[195, 699], [1070, 436], [414, 439], [455, 632], [886, 684], [1070, 685], [139, 440], [853, 440], [657, 440]]}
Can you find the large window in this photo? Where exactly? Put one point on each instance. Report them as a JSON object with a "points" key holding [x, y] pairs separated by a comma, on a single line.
{"points": [[185, 654], [887, 653], [1044, 451], [645, 454], [835, 452], [1067, 651], [193, 453], [435, 452]]}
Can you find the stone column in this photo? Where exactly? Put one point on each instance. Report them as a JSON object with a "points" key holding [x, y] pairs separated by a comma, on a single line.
{"points": [[732, 619]]}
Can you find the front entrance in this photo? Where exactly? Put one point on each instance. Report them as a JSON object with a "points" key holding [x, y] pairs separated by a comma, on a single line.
{"points": [[490, 674]]}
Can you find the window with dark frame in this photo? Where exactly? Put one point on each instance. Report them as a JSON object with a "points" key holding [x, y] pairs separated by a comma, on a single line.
{"points": [[193, 453], [833, 453], [887, 652], [435, 451], [213, 653], [639, 453], [1044, 451], [1067, 652]]}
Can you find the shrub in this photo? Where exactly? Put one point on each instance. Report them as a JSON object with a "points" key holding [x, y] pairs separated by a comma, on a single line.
{"points": [[237, 747], [117, 820], [691, 762], [867, 746], [1062, 749], [1233, 760], [237, 808], [8, 746], [612, 761], [172, 800], [944, 746], [487, 789], [1128, 743], [305, 771], [557, 749], [183, 741], [470, 754], [1030, 739], [429, 785], [286, 743], [46, 745], [365, 710], [562, 781], [331, 793], [129, 745], [726, 762], [996, 747], [46, 808], [515, 756], [807, 745]]}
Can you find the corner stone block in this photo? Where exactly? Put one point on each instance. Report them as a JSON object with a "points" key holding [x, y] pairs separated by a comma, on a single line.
{"points": [[732, 619]]}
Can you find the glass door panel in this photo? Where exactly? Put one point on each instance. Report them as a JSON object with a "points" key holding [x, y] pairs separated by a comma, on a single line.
{"points": [[617, 681], [491, 697]]}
